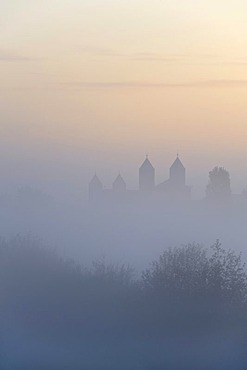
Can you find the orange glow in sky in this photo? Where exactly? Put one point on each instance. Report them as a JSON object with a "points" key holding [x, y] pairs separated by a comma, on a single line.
{"points": [[127, 76]]}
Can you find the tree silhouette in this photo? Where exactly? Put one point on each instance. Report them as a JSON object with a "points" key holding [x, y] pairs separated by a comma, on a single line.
{"points": [[66, 313], [192, 271], [219, 185], [179, 271], [244, 192]]}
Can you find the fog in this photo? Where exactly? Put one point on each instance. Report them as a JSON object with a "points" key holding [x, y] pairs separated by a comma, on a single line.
{"points": [[129, 234], [47, 196], [78, 283], [123, 192]]}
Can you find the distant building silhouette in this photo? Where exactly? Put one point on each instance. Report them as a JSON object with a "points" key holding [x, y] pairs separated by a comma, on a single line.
{"points": [[95, 188], [146, 176], [119, 185], [177, 173], [174, 189]]}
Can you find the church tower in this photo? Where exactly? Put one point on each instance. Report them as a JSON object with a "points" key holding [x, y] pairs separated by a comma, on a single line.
{"points": [[177, 173], [146, 176], [95, 188], [119, 185]]}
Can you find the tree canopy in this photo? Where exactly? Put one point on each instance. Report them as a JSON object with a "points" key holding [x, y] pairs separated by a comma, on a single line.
{"points": [[194, 271], [219, 185]]}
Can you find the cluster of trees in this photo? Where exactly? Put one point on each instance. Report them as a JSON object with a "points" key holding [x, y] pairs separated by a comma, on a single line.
{"points": [[188, 272], [129, 320], [219, 185], [218, 189]]}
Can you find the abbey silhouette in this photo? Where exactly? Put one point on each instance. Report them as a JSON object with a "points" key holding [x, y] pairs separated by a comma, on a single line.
{"points": [[146, 176], [173, 189], [95, 188]]}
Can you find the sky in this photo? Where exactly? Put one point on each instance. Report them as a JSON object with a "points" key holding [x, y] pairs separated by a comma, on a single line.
{"points": [[94, 85]]}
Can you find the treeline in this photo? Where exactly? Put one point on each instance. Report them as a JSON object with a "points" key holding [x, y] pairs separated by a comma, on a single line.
{"points": [[187, 310]]}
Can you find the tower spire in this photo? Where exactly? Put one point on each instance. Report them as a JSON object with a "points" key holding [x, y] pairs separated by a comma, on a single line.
{"points": [[146, 176]]}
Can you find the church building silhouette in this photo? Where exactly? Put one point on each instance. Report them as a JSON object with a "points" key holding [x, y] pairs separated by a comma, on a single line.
{"points": [[173, 189]]}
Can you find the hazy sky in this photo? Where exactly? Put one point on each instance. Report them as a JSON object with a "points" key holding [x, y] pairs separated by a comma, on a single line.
{"points": [[100, 83]]}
